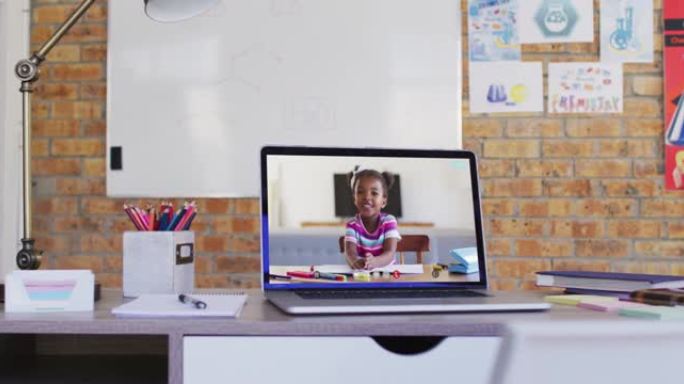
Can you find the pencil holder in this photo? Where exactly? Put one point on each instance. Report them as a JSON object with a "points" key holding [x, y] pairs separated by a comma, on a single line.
{"points": [[158, 262]]}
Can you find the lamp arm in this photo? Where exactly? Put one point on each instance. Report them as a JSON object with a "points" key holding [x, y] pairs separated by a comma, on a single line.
{"points": [[27, 71]]}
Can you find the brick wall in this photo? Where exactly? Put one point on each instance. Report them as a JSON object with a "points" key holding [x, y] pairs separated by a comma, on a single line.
{"points": [[558, 192]]}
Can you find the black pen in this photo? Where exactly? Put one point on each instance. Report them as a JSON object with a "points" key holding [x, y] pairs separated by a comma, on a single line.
{"points": [[199, 304]]}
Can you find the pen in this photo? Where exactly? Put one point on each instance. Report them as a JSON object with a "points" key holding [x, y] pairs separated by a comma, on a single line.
{"points": [[199, 304]]}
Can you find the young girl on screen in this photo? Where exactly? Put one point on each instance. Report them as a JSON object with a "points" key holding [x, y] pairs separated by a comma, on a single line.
{"points": [[371, 237]]}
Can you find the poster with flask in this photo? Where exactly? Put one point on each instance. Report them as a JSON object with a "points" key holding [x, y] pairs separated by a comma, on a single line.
{"points": [[627, 31], [556, 21], [673, 58]]}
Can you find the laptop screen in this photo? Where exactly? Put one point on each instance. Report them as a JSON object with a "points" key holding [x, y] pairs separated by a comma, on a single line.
{"points": [[436, 242]]}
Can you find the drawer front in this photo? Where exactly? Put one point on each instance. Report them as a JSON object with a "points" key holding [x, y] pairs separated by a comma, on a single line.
{"points": [[301, 360]]}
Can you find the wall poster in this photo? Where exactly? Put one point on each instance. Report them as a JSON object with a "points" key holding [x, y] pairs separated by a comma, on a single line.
{"points": [[673, 58]]}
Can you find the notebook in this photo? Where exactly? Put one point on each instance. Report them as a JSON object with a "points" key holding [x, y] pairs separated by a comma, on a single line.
{"points": [[169, 305], [316, 262]]}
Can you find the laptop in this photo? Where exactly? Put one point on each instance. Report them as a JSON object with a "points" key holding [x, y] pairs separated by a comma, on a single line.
{"points": [[424, 252]]}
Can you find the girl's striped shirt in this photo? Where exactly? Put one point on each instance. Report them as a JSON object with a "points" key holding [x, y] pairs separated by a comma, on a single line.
{"points": [[371, 242]]}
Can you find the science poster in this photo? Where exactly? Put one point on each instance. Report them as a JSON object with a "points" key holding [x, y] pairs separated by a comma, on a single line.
{"points": [[506, 86], [556, 21], [673, 57], [585, 88], [627, 31], [493, 30]]}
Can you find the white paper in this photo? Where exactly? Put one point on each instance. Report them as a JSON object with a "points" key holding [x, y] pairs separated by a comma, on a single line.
{"points": [[493, 31], [506, 87], [585, 88], [168, 305], [627, 31], [548, 21]]}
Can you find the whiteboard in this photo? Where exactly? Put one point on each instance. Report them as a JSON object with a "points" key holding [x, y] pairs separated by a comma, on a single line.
{"points": [[190, 104]]}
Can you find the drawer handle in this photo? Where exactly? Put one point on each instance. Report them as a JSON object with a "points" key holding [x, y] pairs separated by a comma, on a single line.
{"points": [[408, 345]]}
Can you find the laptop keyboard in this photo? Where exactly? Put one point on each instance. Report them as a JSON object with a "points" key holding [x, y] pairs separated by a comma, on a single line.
{"points": [[389, 293]]}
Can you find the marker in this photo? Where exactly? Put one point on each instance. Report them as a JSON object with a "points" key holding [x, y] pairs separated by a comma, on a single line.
{"points": [[328, 276], [279, 277], [301, 274], [185, 299]]}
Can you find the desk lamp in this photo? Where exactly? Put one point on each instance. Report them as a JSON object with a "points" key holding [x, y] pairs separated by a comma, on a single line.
{"points": [[27, 70]]}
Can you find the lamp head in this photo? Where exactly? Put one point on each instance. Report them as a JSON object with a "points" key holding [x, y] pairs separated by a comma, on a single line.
{"points": [[168, 11]]}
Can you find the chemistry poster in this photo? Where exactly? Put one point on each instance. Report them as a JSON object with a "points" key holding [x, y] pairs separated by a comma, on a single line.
{"points": [[585, 88], [627, 31], [556, 21], [673, 57], [492, 30], [506, 87]]}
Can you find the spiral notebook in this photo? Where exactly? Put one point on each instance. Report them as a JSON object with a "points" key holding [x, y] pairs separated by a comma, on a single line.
{"points": [[168, 305]]}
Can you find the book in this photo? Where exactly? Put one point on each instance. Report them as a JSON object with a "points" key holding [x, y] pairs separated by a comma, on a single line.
{"points": [[465, 260], [169, 305], [607, 281]]}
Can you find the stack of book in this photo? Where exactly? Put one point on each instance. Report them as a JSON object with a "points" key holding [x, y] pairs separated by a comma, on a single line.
{"points": [[465, 260]]}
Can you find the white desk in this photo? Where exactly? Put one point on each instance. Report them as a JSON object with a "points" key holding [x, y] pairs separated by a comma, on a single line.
{"points": [[232, 345]]}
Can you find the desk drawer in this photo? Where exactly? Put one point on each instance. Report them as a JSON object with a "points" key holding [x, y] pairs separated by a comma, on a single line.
{"points": [[332, 360]]}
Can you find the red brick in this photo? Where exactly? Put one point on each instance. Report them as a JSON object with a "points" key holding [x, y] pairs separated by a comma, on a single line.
{"points": [[52, 91], [95, 52], [77, 72], [520, 268], [616, 188], [511, 187], [544, 168], [211, 243], [593, 127], [675, 230], [238, 264], [603, 168], [54, 205], [499, 207], [667, 208], [245, 244], [97, 91], [543, 248], [660, 248], [77, 109], [91, 243], [565, 148], [515, 227], [102, 206], [245, 225], [534, 127], [96, 127], [495, 168], [644, 127], [78, 186], [647, 85], [53, 167], [602, 248], [78, 147], [94, 263], [55, 128], [567, 188], [607, 207], [511, 148], [482, 128], [247, 206], [641, 107], [634, 229], [498, 247], [576, 229], [94, 167], [215, 206]]}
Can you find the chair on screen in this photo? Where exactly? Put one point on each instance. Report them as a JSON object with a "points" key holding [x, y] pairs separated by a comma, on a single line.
{"points": [[409, 243]]}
